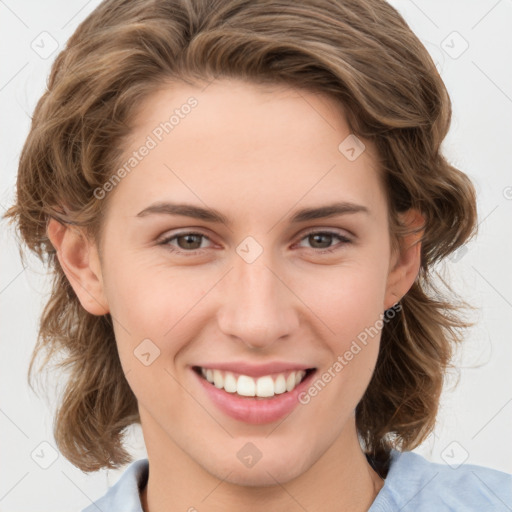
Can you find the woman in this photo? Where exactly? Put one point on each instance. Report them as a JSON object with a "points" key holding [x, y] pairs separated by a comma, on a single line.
{"points": [[242, 203]]}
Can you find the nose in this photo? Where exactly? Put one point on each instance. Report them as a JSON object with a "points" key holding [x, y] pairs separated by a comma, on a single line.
{"points": [[258, 308]]}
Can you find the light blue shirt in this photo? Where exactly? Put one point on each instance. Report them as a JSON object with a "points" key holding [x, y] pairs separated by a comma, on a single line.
{"points": [[413, 484]]}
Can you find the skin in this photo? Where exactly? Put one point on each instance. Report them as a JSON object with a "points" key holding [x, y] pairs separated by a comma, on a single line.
{"points": [[256, 154]]}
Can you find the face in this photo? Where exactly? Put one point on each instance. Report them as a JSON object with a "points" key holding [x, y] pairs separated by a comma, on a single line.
{"points": [[262, 289]]}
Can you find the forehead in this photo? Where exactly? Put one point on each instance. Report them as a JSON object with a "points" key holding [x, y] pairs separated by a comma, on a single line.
{"points": [[237, 146]]}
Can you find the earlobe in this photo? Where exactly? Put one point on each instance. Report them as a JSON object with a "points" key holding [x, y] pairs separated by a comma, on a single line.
{"points": [[407, 263], [79, 260]]}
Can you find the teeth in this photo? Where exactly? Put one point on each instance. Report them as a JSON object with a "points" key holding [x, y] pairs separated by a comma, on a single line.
{"points": [[265, 386], [244, 385], [229, 383], [280, 385], [218, 379], [290, 382]]}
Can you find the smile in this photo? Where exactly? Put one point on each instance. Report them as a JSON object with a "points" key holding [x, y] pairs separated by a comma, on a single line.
{"points": [[265, 397], [244, 385]]}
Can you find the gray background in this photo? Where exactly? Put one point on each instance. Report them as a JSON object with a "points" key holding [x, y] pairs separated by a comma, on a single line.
{"points": [[475, 418]]}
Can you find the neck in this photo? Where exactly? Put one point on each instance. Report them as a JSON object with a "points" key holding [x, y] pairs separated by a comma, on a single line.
{"points": [[341, 479]]}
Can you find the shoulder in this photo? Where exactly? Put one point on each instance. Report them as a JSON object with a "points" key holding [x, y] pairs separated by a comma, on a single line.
{"points": [[124, 495], [415, 484]]}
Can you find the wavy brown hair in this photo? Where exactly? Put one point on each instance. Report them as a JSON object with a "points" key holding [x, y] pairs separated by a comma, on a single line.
{"points": [[360, 52]]}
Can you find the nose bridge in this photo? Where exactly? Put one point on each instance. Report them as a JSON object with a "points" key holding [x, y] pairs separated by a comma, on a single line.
{"points": [[257, 307]]}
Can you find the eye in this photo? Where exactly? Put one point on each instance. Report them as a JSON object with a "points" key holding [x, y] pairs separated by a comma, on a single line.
{"points": [[190, 243], [324, 239]]}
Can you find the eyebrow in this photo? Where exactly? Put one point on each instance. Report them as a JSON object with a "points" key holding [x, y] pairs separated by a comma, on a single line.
{"points": [[212, 215]]}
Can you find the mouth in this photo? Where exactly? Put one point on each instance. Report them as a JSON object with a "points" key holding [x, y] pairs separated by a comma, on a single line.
{"points": [[262, 387], [258, 399]]}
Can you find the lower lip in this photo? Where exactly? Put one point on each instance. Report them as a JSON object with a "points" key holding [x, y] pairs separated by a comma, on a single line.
{"points": [[255, 410]]}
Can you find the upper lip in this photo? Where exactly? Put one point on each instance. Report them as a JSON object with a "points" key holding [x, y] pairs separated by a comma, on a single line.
{"points": [[256, 370]]}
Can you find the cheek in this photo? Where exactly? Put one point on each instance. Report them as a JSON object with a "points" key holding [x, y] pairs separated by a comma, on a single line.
{"points": [[152, 301], [142, 291], [349, 298], [351, 305], [352, 310]]}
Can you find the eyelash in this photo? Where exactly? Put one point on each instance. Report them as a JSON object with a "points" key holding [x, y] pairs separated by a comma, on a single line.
{"points": [[343, 240]]}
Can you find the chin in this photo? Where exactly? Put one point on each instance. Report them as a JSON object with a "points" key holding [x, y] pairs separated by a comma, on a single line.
{"points": [[262, 474]]}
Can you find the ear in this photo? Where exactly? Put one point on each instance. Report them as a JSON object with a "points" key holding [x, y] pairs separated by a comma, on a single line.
{"points": [[80, 262], [406, 261]]}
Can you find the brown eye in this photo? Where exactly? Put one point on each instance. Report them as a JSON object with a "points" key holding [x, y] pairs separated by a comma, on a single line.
{"points": [[189, 241], [319, 240], [322, 240], [184, 242]]}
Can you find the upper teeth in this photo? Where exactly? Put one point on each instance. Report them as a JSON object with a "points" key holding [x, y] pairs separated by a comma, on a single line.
{"points": [[247, 386]]}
